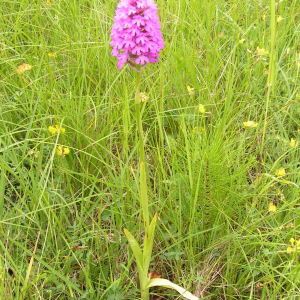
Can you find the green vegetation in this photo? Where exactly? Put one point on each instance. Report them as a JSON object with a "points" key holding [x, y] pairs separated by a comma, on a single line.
{"points": [[211, 179]]}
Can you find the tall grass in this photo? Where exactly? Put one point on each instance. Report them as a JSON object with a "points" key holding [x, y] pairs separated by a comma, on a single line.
{"points": [[218, 238]]}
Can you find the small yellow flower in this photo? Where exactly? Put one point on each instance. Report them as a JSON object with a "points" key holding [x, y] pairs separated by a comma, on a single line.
{"points": [[279, 19], [191, 91], [50, 54], [241, 41], [201, 109], [59, 150], [289, 249], [298, 243], [272, 207], [62, 151], [280, 172], [48, 2], [195, 129], [261, 51], [66, 151], [52, 130], [250, 124], [144, 97], [292, 143], [292, 241], [23, 68], [55, 129]]}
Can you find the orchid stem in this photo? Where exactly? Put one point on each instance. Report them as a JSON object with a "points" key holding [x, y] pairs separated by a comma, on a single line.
{"points": [[143, 187], [271, 73], [138, 117]]}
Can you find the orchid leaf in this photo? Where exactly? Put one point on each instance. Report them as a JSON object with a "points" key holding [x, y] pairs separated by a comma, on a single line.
{"points": [[137, 252], [148, 242], [168, 284]]}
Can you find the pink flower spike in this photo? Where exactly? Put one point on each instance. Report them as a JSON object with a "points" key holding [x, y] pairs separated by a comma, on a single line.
{"points": [[138, 50], [142, 39], [142, 60], [136, 36], [128, 44], [139, 22]]}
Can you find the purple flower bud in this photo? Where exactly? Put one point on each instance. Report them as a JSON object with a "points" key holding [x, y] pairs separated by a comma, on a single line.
{"points": [[135, 34]]}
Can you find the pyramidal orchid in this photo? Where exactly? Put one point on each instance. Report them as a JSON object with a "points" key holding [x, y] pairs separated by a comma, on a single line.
{"points": [[136, 41], [136, 35]]}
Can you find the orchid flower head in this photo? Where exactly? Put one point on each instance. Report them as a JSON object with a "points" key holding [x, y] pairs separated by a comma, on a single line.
{"points": [[136, 36]]}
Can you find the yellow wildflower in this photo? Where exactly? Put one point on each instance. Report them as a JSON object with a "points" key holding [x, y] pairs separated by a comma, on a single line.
{"points": [[261, 51], [66, 151], [241, 41], [48, 2], [279, 19], [55, 129], [201, 109], [280, 172], [191, 91], [144, 97], [250, 124], [50, 54], [292, 143], [272, 207], [298, 243], [62, 151], [292, 241], [289, 249], [52, 130], [23, 68], [195, 129], [59, 150]]}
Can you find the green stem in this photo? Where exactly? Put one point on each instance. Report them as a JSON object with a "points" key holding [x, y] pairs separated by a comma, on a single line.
{"points": [[270, 81], [143, 187], [144, 291], [138, 118]]}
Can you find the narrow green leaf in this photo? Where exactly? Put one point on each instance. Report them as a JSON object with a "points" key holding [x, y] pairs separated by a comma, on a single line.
{"points": [[148, 242], [137, 252], [168, 284], [2, 184]]}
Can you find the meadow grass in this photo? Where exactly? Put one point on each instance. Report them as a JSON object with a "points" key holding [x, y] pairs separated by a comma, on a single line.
{"points": [[61, 217]]}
